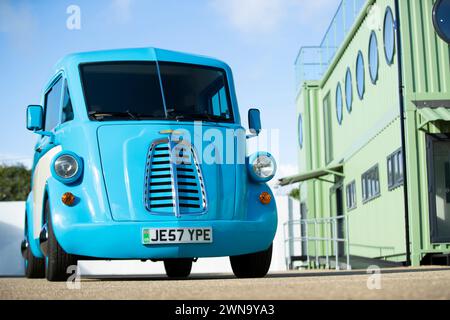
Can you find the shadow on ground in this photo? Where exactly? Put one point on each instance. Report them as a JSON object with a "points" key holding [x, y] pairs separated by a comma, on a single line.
{"points": [[274, 275]]}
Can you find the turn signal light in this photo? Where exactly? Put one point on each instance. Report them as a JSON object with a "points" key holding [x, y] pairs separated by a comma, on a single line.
{"points": [[68, 199], [265, 198]]}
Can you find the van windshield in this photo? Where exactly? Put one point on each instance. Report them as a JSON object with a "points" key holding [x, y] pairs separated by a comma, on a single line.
{"points": [[147, 90]]}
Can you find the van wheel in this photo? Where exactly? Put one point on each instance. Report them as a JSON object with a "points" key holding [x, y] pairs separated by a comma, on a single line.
{"points": [[57, 261], [178, 268], [253, 265], [34, 267]]}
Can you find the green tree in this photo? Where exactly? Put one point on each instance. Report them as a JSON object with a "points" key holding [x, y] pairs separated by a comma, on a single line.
{"points": [[14, 183]]}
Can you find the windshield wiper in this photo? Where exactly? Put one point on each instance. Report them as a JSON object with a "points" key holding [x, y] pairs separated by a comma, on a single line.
{"points": [[99, 115], [199, 116]]}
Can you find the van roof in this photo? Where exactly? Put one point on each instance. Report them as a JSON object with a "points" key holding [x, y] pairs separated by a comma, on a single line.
{"points": [[137, 54]]}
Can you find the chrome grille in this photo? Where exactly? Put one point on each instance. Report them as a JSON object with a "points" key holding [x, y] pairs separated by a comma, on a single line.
{"points": [[173, 180]]}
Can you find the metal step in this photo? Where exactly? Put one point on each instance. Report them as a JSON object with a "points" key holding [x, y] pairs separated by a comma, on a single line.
{"points": [[356, 263]]}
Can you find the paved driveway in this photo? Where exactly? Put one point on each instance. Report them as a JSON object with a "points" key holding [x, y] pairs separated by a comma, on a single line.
{"points": [[400, 283]]}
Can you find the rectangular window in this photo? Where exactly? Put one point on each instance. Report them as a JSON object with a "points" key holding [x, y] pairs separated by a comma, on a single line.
{"points": [[52, 105], [370, 182], [67, 110], [351, 195], [122, 90], [327, 129], [395, 169], [144, 90], [194, 92]]}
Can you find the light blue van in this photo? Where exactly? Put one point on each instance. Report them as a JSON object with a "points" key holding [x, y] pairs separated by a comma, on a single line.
{"points": [[131, 163]]}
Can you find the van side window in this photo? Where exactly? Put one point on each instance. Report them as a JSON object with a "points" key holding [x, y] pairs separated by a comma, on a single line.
{"points": [[52, 104], [219, 103], [67, 110]]}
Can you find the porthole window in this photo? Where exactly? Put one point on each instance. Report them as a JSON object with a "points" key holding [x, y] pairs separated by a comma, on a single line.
{"points": [[339, 103], [373, 57], [441, 19], [300, 131], [348, 90], [360, 75], [389, 36]]}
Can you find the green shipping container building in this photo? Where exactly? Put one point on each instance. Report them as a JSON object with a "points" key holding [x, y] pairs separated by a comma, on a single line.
{"points": [[373, 105]]}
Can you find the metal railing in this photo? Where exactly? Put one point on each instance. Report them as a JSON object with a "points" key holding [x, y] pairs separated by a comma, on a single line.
{"points": [[312, 62], [328, 236]]}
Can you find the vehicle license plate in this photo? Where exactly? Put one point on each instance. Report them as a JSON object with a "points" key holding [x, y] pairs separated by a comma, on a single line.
{"points": [[176, 235]]}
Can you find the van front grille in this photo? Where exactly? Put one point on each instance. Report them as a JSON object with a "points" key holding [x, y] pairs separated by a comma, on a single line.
{"points": [[173, 180]]}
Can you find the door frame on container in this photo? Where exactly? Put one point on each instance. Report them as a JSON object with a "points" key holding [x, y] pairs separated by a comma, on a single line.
{"points": [[431, 139], [337, 207]]}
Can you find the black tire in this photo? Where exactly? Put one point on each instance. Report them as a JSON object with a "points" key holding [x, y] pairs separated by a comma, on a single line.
{"points": [[57, 261], [34, 267], [253, 265], [178, 268]]}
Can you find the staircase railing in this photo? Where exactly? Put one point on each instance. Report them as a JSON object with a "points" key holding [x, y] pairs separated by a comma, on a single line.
{"points": [[317, 231]]}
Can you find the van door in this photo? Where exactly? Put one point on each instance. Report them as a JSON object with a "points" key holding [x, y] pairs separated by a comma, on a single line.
{"points": [[439, 187], [45, 150], [52, 113]]}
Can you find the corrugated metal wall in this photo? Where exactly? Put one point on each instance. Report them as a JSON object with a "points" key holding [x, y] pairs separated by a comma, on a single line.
{"points": [[426, 74], [426, 57]]}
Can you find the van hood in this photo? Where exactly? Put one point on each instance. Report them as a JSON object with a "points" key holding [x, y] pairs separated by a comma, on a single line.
{"points": [[148, 176]]}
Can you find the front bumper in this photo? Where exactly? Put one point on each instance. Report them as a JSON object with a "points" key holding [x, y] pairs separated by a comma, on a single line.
{"points": [[123, 240]]}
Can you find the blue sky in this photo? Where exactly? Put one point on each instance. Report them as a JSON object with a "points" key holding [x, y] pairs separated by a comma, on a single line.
{"points": [[259, 39]]}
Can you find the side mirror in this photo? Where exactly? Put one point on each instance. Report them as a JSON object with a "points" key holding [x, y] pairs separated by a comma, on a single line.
{"points": [[254, 121], [34, 118]]}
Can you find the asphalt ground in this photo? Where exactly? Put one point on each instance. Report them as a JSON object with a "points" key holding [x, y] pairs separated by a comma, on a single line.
{"points": [[399, 283]]}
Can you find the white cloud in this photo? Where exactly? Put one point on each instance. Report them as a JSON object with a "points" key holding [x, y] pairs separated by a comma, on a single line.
{"points": [[121, 10], [312, 9], [262, 16], [18, 23], [12, 159], [251, 15]]}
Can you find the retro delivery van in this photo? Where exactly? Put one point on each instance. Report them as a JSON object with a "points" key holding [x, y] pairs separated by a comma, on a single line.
{"points": [[139, 157]]}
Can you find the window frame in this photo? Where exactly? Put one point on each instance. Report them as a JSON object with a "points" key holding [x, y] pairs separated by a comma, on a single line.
{"points": [[339, 89], [436, 26], [232, 118], [66, 87], [300, 130], [348, 76], [389, 60], [373, 78], [201, 66], [351, 199], [58, 77], [395, 172], [328, 127], [370, 183], [363, 90], [114, 62]]}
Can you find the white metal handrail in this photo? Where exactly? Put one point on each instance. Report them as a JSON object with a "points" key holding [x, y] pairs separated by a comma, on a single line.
{"points": [[332, 224]]}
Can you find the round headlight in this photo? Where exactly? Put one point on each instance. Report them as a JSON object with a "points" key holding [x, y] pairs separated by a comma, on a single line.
{"points": [[262, 166], [67, 167]]}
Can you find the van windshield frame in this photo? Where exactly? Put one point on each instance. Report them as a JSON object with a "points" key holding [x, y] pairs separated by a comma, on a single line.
{"points": [[124, 90]]}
